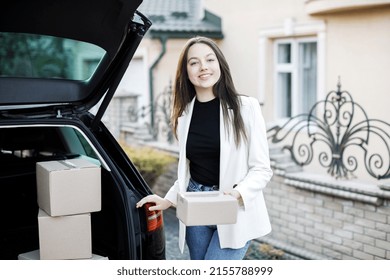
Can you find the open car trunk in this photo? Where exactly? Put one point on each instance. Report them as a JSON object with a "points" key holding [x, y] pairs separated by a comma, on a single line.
{"points": [[20, 149], [59, 59]]}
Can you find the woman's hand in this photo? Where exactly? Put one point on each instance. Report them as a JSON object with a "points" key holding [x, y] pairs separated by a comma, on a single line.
{"points": [[235, 194], [160, 203]]}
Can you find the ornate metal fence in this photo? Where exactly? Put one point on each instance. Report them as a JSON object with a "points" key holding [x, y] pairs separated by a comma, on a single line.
{"points": [[156, 116], [340, 132]]}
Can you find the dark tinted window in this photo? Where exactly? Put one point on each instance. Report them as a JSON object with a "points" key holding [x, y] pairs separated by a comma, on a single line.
{"points": [[38, 56]]}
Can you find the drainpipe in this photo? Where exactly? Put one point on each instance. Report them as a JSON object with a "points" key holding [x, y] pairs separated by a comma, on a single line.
{"points": [[163, 40]]}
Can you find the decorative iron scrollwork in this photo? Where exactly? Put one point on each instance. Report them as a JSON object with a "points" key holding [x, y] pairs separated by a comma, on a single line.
{"points": [[339, 130], [159, 128]]}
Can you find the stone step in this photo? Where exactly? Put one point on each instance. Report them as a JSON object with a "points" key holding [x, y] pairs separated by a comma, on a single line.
{"points": [[281, 157], [139, 132], [287, 166]]}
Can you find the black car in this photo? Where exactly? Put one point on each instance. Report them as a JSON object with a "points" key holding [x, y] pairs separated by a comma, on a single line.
{"points": [[58, 59]]}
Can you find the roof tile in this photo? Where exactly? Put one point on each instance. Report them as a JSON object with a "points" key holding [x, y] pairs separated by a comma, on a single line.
{"points": [[179, 16]]}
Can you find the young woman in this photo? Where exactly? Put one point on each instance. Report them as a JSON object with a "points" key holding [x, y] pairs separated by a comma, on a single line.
{"points": [[223, 146]]}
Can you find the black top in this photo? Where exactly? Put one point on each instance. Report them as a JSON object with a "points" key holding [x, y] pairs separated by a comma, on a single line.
{"points": [[203, 142]]}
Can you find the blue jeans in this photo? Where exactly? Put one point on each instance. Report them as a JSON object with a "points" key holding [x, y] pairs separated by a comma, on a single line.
{"points": [[203, 241]]}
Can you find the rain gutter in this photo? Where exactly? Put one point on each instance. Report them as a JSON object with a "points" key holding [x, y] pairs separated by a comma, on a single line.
{"points": [[163, 41]]}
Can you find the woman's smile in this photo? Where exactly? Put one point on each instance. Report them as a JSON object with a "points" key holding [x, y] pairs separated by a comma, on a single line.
{"points": [[205, 76]]}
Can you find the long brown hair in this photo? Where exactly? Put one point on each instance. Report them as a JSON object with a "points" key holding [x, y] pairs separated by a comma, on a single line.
{"points": [[184, 91]]}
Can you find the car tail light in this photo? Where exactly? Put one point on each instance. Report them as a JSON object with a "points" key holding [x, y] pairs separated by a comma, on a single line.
{"points": [[154, 218]]}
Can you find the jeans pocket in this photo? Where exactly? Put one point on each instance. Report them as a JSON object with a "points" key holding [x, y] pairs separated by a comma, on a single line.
{"points": [[193, 187]]}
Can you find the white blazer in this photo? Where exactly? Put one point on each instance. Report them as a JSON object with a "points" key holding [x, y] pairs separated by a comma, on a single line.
{"points": [[248, 166]]}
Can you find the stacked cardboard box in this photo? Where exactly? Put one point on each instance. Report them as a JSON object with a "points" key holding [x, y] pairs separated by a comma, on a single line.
{"points": [[67, 191], [64, 237], [35, 255], [68, 187]]}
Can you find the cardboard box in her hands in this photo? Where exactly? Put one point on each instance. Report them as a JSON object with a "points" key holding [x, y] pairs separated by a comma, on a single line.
{"points": [[206, 208]]}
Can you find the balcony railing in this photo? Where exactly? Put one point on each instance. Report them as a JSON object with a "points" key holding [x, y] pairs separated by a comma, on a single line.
{"points": [[159, 128], [338, 132]]}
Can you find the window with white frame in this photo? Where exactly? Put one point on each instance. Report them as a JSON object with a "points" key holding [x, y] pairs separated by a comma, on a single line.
{"points": [[295, 76]]}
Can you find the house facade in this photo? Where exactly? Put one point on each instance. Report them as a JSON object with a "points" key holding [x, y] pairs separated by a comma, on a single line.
{"points": [[288, 54]]}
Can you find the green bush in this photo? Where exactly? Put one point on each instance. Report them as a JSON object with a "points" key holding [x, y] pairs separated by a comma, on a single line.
{"points": [[150, 162]]}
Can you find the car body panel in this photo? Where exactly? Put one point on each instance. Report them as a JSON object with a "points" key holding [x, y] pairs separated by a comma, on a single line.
{"points": [[101, 22]]}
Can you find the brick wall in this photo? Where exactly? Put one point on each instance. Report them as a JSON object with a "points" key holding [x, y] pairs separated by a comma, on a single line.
{"points": [[326, 226], [321, 218]]}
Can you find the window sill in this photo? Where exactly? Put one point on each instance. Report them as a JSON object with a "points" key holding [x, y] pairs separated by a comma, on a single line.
{"points": [[319, 7]]}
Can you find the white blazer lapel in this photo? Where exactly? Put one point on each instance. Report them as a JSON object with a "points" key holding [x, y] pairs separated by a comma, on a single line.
{"points": [[225, 149], [184, 122], [183, 128]]}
